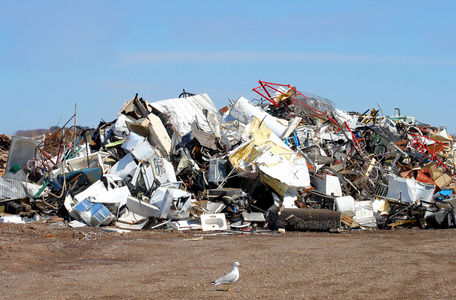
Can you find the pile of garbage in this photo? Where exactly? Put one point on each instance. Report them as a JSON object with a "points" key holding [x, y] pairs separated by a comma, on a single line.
{"points": [[287, 161]]}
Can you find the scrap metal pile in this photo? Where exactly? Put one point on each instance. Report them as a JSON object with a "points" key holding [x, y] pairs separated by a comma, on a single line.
{"points": [[289, 161]]}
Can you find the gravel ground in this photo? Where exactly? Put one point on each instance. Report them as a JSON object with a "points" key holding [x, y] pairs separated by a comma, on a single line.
{"points": [[41, 261]]}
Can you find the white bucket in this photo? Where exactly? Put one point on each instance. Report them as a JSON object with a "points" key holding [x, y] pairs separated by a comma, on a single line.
{"points": [[346, 203]]}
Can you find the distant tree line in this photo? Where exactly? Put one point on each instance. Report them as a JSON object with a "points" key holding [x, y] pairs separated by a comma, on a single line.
{"points": [[38, 132]]}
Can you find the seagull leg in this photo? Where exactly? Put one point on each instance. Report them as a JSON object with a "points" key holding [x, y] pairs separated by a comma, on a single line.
{"points": [[228, 287]]}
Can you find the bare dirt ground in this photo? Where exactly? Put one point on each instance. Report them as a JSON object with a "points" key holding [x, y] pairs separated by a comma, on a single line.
{"points": [[38, 261]]}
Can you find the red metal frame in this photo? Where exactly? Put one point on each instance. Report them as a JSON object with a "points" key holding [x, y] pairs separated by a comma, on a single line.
{"points": [[264, 84], [45, 158], [355, 139], [431, 150], [262, 90]]}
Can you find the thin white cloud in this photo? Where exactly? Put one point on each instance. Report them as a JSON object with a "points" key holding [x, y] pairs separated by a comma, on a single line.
{"points": [[120, 85], [240, 57]]}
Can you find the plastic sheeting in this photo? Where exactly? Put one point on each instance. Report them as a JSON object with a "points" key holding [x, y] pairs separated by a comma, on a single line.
{"points": [[183, 111], [409, 190]]}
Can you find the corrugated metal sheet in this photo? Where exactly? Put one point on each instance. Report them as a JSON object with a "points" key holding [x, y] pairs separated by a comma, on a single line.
{"points": [[11, 189]]}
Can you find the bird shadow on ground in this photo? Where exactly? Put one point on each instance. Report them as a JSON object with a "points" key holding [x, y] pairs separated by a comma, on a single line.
{"points": [[220, 290]]}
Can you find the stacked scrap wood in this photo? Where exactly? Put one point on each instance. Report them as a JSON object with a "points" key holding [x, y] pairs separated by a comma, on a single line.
{"points": [[5, 142]]}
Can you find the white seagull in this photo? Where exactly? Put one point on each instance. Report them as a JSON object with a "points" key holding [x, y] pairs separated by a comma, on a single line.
{"points": [[231, 277]]}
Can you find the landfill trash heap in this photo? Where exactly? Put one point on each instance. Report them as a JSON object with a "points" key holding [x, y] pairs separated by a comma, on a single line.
{"points": [[287, 161]]}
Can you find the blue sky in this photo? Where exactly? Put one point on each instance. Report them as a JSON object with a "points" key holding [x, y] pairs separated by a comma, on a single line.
{"points": [[99, 54]]}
